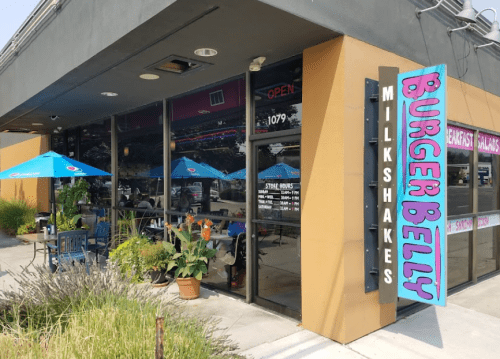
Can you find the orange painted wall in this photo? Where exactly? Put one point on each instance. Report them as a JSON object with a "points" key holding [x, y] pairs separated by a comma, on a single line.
{"points": [[31, 190], [334, 303]]}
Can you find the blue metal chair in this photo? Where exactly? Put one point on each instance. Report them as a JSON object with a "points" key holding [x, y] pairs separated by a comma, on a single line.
{"points": [[101, 236], [71, 246]]}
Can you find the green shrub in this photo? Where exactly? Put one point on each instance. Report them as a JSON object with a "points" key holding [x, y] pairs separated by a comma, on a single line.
{"points": [[96, 314], [158, 256], [27, 228], [127, 256], [15, 213]]}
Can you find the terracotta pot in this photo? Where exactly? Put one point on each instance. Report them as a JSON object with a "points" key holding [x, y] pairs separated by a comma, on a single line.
{"points": [[189, 288]]}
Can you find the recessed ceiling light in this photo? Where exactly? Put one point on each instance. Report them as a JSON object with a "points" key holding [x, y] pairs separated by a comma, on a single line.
{"points": [[205, 52], [109, 94], [149, 77], [37, 124]]}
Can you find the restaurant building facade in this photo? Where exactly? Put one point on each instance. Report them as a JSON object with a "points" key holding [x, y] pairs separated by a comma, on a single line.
{"points": [[130, 86]]}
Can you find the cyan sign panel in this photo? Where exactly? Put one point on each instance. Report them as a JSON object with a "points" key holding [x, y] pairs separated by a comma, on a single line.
{"points": [[421, 205]]}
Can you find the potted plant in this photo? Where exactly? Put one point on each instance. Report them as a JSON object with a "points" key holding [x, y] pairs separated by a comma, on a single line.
{"points": [[192, 260], [158, 260]]}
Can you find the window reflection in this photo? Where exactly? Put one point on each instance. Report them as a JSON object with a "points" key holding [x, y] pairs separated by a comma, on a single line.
{"points": [[210, 137], [278, 97], [458, 181], [140, 159], [487, 177], [95, 150]]}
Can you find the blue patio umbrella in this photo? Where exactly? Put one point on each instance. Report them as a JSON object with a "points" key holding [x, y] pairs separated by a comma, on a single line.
{"points": [[186, 168], [241, 174], [51, 165], [221, 175], [280, 171]]}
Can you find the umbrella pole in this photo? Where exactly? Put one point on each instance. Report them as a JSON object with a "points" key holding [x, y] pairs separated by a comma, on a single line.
{"points": [[53, 203]]}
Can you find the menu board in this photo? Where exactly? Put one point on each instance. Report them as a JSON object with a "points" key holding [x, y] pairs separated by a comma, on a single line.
{"points": [[280, 197]]}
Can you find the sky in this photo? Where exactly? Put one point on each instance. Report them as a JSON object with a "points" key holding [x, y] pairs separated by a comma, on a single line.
{"points": [[14, 12]]}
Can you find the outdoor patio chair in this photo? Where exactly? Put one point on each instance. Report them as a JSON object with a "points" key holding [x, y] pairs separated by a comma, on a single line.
{"points": [[101, 243], [71, 246]]}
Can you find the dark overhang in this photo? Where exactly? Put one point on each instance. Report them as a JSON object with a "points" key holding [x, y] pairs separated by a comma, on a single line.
{"points": [[239, 30]]}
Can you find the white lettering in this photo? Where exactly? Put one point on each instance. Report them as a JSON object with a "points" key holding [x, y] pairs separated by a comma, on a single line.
{"points": [[387, 235], [387, 154], [387, 195], [387, 175], [388, 276], [386, 136], [388, 93], [387, 256], [387, 216]]}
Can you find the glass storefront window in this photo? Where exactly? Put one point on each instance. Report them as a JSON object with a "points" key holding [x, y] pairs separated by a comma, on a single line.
{"points": [[210, 131], [278, 97], [487, 239], [140, 160], [95, 150], [487, 177], [458, 258], [459, 190]]}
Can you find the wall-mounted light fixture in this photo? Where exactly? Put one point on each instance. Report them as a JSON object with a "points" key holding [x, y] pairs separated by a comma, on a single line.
{"points": [[419, 11], [467, 15], [172, 145], [125, 151], [494, 34]]}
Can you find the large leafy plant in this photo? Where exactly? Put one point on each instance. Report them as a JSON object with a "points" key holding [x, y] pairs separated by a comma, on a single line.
{"points": [[158, 256], [70, 196], [129, 259], [192, 260]]}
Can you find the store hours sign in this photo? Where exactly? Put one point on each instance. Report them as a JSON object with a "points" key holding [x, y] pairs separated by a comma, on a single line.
{"points": [[421, 198]]}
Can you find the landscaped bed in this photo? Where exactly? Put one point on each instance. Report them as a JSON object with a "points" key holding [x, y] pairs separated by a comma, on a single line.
{"points": [[98, 315]]}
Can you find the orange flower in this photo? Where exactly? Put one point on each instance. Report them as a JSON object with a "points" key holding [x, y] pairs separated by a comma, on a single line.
{"points": [[189, 219], [205, 233], [200, 222], [208, 222]]}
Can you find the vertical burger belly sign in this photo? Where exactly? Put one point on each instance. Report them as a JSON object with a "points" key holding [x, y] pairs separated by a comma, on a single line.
{"points": [[421, 199], [387, 184]]}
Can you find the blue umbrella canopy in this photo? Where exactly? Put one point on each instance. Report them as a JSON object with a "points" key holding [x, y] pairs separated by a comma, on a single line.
{"points": [[215, 170], [53, 165], [241, 175], [186, 168], [280, 171]]}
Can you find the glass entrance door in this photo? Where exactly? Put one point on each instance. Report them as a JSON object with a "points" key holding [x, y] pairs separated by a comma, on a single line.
{"points": [[277, 224]]}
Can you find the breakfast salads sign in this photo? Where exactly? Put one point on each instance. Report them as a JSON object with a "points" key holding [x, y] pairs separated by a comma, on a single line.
{"points": [[421, 195]]}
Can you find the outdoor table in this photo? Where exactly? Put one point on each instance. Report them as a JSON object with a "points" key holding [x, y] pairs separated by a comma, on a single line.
{"points": [[38, 238]]}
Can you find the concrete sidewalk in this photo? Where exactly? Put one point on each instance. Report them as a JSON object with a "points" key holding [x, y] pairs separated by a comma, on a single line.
{"points": [[469, 327]]}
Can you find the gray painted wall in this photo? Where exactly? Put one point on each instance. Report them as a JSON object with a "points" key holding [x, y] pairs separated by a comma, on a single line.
{"points": [[81, 30], [393, 26]]}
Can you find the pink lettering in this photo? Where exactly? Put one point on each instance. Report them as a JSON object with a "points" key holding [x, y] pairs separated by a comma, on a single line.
{"points": [[415, 112], [417, 212], [414, 87], [425, 167], [417, 231], [426, 187], [421, 152], [429, 127]]}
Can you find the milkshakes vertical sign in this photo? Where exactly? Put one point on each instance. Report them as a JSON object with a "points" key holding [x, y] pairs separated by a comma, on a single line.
{"points": [[421, 222]]}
